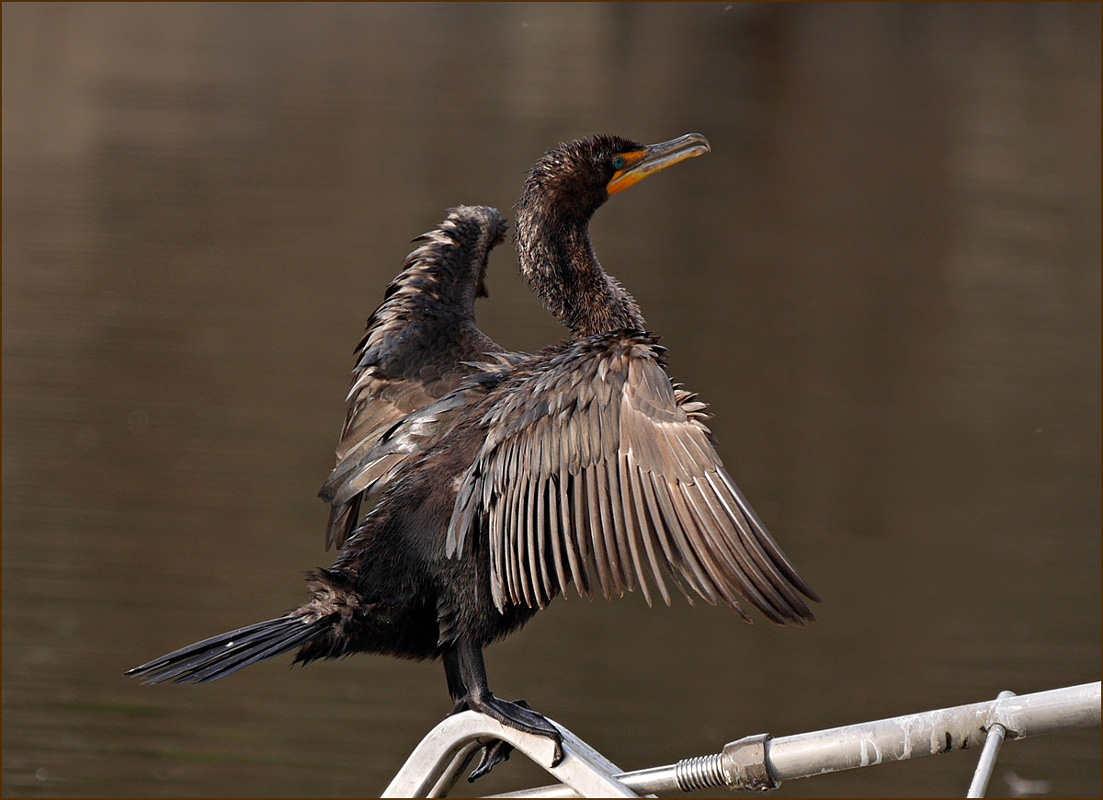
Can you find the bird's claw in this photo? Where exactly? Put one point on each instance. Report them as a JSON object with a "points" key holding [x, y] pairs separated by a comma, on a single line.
{"points": [[493, 754]]}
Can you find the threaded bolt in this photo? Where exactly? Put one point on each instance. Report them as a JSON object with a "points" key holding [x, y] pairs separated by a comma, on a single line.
{"points": [[702, 772]]}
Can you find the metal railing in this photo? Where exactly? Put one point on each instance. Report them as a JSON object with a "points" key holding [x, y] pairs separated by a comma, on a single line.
{"points": [[755, 762]]}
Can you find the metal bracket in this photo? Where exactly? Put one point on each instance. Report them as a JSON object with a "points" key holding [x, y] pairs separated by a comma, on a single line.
{"points": [[437, 762], [744, 764]]}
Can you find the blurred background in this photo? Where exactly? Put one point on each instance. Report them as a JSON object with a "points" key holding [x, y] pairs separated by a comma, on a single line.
{"points": [[885, 279]]}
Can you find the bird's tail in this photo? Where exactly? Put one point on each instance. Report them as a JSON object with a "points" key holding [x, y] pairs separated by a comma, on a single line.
{"points": [[226, 653]]}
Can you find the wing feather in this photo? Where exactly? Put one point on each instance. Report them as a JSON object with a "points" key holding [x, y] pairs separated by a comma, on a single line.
{"points": [[557, 490], [632, 525], [763, 536], [683, 552], [544, 588], [693, 546], [602, 479], [532, 566], [578, 548], [660, 529], [738, 569], [497, 529], [511, 544], [642, 535], [593, 510]]}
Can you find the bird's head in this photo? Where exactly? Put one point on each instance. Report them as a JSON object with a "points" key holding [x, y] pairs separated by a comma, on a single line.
{"points": [[562, 192], [575, 178]]}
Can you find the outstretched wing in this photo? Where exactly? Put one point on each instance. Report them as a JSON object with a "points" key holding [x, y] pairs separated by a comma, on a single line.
{"points": [[413, 352], [597, 462]]}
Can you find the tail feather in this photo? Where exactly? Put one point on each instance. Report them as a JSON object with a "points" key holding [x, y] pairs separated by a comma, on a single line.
{"points": [[226, 653], [219, 649], [260, 651]]}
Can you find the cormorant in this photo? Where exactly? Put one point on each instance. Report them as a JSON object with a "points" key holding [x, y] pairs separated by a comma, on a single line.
{"points": [[581, 464]]}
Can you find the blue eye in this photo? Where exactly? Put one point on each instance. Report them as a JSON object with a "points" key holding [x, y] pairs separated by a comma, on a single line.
{"points": [[618, 162]]}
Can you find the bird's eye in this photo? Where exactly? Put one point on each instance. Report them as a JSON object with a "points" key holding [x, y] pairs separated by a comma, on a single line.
{"points": [[619, 162]]}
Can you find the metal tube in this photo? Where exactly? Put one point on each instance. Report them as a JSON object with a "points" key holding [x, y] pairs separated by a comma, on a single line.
{"points": [[932, 732], [892, 739], [987, 761]]}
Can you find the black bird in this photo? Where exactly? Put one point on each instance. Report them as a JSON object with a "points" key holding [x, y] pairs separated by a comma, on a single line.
{"points": [[420, 344], [581, 464]]}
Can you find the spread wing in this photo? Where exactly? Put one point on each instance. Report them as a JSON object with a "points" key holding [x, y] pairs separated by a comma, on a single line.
{"points": [[413, 353], [599, 464]]}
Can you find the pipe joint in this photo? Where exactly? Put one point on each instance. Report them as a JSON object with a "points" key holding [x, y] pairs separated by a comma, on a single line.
{"points": [[744, 764]]}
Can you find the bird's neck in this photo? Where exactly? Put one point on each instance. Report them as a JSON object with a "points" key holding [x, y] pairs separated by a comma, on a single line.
{"points": [[559, 264]]}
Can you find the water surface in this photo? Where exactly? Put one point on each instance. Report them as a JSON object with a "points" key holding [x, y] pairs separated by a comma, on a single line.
{"points": [[885, 279]]}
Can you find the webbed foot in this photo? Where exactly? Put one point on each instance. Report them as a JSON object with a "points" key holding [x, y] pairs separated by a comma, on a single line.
{"points": [[517, 715]]}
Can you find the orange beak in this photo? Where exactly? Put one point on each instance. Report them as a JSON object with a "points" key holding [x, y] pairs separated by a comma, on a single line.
{"points": [[640, 164]]}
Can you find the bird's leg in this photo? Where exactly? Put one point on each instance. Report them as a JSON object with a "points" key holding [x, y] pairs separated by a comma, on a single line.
{"points": [[456, 690], [519, 715], [492, 754]]}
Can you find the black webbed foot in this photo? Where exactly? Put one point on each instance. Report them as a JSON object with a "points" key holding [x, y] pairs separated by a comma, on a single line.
{"points": [[519, 716], [463, 666], [494, 753]]}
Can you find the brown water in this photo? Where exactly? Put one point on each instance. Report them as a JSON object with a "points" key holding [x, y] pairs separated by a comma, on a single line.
{"points": [[885, 279]]}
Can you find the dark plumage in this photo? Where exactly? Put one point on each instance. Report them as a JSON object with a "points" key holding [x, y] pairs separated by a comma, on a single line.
{"points": [[417, 347], [582, 464]]}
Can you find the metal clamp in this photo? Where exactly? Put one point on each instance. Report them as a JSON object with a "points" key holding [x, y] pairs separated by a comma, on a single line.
{"points": [[744, 764]]}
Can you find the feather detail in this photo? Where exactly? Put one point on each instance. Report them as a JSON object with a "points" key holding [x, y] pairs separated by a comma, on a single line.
{"points": [[602, 466]]}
